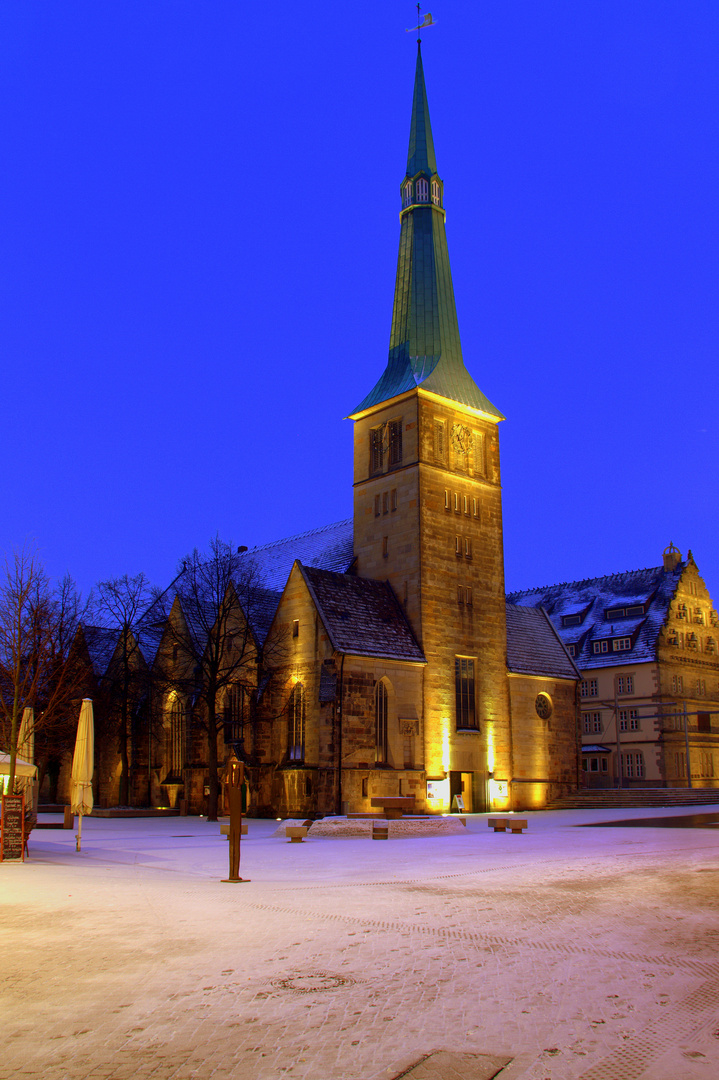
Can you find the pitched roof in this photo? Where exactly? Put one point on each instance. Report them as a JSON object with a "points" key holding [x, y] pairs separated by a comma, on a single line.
{"points": [[101, 643], [362, 617], [591, 599], [533, 645], [330, 548]]}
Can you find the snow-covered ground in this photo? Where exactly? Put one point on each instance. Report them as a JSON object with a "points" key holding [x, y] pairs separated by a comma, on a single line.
{"points": [[579, 953]]}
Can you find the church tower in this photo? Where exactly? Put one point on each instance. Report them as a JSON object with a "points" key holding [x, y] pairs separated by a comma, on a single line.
{"points": [[427, 496]]}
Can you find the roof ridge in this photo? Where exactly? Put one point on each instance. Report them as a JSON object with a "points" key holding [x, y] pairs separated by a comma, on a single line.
{"points": [[299, 536], [589, 580]]}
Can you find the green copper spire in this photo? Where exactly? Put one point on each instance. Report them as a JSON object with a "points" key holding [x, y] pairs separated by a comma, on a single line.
{"points": [[424, 348]]}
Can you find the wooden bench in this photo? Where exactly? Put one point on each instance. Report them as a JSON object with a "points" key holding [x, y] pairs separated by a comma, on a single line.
{"points": [[296, 833], [394, 806], [501, 824]]}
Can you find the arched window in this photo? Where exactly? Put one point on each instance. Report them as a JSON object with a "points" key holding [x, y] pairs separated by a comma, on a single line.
{"points": [[176, 737], [296, 724], [380, 723], [234, 715], [407, 193], [422, 191], [435, 193]]}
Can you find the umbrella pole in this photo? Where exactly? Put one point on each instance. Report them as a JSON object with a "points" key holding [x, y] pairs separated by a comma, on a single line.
{"points": [[79, 832]]}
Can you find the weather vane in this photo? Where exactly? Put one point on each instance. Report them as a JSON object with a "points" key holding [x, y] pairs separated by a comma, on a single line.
{"points": [[421, 24]]}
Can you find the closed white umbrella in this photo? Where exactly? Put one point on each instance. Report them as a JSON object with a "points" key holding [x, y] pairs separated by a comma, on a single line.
{"points": [[83, 766], [26, 747]]}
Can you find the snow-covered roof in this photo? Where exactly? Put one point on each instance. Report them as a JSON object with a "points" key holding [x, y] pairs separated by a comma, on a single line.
{"points": [[533, 645], [651, 589]]}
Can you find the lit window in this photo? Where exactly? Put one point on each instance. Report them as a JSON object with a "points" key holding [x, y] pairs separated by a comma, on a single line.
{"points": [[422, 191], [622, 644], [466, 716], [296, 724], [395, 442]]}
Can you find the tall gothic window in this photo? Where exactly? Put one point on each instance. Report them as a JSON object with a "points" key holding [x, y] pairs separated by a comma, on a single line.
{"points": [[407, 193], [234, 715], [422, 191], [435, 193], [381, 747], [176, 738], [296, 724], [464, 688]]}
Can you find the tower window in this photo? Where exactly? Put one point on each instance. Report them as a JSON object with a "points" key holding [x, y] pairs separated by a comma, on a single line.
{"points": [[422, 191], [393, 499], [385, 502], [376, 450], [385, 547], [295, 628], [395, 442], [435, 193], [455, 500], [377, 505], [466, 715], [447, 503], [467, 548], [475, 508], [407, 196]]}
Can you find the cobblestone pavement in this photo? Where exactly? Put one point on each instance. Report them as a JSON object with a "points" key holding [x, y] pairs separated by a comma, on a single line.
{"points": [[570, 953]]}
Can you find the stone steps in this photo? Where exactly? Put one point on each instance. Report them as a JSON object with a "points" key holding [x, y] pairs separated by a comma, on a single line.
{"points": [[615, 798]]}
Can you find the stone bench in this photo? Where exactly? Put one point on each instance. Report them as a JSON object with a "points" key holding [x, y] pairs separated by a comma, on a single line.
{"points": [[296, 833], [225, 828], [501, 824], [393, 806], [380, 830]]}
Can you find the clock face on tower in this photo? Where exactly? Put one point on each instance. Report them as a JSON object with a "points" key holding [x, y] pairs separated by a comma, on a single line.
{"points": [[461, 438], [543, 706]]}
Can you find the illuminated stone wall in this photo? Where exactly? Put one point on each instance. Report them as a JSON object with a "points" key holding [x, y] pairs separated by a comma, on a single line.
{"points": [[544, 749]]}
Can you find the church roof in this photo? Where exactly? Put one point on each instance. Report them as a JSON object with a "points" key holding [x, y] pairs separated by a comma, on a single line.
{"points": [[533, 645], [329, 548], [101, 642], [425, 348], [362, 617], [632, 606]]}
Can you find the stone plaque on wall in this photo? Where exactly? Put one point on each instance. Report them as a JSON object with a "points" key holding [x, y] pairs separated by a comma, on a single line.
{"points": [[409, 727]]}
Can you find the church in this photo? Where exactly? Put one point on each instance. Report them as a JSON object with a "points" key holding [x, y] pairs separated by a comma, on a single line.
{"points": [[403, 669]]}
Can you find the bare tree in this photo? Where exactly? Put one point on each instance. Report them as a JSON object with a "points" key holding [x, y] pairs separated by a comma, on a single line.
{"points": [[37, 626], [131, 608], [222, 603]]}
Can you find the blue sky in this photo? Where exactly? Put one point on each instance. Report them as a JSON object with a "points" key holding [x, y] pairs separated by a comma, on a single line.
{"points": [[199, 235]]}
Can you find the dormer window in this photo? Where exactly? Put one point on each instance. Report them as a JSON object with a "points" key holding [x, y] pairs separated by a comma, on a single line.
{"points": [[435, 193], [571, 620], [422, 191], [407, 194]]}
